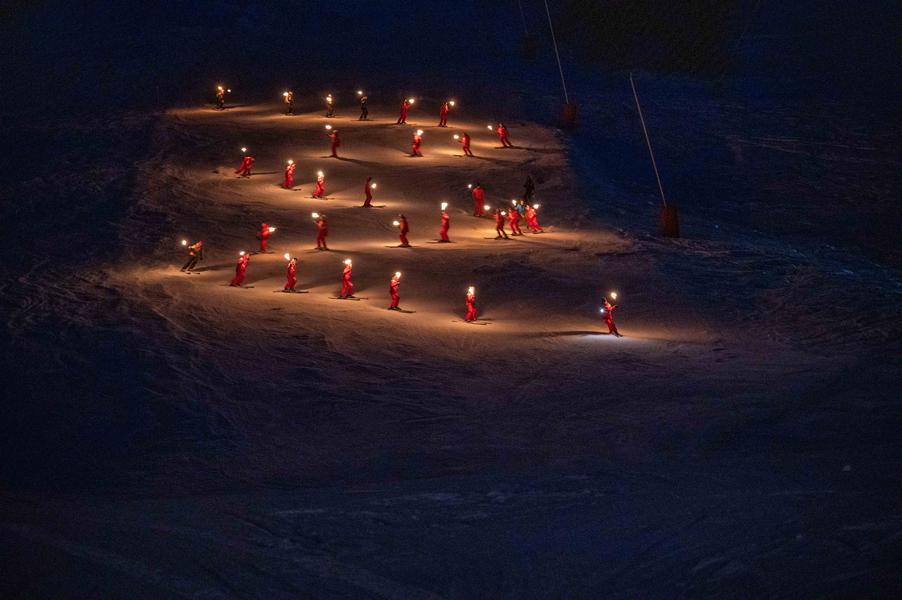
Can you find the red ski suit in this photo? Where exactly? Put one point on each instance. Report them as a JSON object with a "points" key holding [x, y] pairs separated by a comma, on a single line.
{"points": [[240, 270], [532, 220], [609, 317], [292, 275], [465, 141], [443, 115], [347, 287], [244, 169], [402, 116], [513, 218], [446, 224], [417, 142], [403, 229], [502, 135], [499, 224], [320, 190], [478, 201], [336, 142], [368, 191], [289, 176], [471, 307], [393, 290], [322, 232], [264, 236]]}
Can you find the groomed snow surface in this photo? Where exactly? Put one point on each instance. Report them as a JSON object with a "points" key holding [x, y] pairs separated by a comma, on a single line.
{"points": [[740, 441]]}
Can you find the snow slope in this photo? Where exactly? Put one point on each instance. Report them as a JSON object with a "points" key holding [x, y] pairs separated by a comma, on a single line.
{"points": [[169, 436]]}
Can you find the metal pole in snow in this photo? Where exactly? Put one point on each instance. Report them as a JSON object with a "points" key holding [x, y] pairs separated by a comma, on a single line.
{"points": [[648, 141], [553, 39]]}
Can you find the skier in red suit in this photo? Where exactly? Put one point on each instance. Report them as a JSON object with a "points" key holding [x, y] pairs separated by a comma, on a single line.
{"points": [[513, 217], [322, 230], [532, 220], [499, 224], [478, 200], [336, 142], [320, 190], [403, 229], [402, 115], [263, 236], [244, 169], [368, 192], [502, 135], [417, 142], [393, 290], [292, 275], [347, 286], [240, 270], [465, 142], [446, 224], [608, 312], [471, 304], [443, 115], [289, 175]]}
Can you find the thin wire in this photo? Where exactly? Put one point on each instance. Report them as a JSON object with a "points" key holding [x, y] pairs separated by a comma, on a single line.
{"points": [[523, 17], [648, 141], [553, 39]]}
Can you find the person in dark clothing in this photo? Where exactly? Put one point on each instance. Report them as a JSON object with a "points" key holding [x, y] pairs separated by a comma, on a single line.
{"points": [[529, 188], [195, 253], [364, 111], [330, 106]]}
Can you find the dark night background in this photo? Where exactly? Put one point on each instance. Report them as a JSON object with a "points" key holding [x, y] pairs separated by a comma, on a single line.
{"points": [[84, 86]]}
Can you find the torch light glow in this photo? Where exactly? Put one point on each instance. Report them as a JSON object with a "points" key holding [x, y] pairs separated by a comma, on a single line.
{"points": [[219, 87], [456, 137], [503, 213], [285, 94], [271, 229], [514, 202], [489, 127], [419, 132], [319, 173], [444, 205], [601, 310], [287, 257], [372, 186], [411, 100], [359, 92], [398, 274], [451, 103], [314, 215], [469, 186], [229, 91], [242, 253], [328, 127], [347, 261], [486, 207], [536, 206], [184, 242], [471, 290], [613, 295], [243, 149], [290, 162], [396, 223]]}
